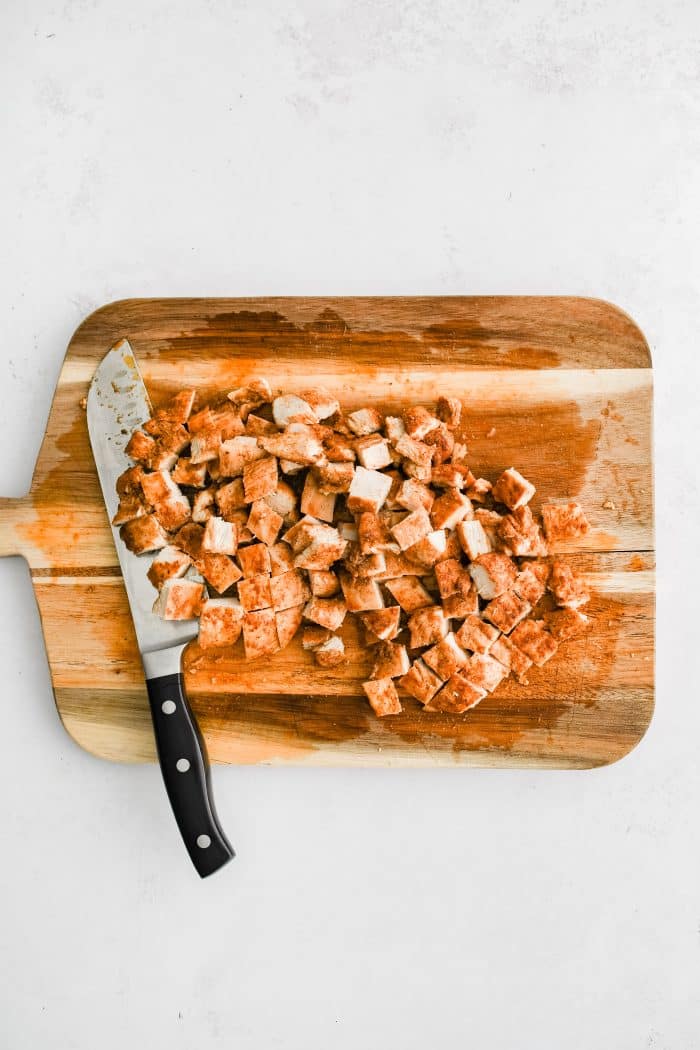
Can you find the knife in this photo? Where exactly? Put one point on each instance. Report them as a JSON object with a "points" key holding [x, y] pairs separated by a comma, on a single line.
{"points": [[117, 404]]}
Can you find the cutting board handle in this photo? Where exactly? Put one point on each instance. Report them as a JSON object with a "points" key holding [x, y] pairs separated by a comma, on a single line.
{"points": [[13, 511]]}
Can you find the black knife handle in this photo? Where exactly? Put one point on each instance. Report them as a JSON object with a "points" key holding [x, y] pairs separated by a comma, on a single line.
{"points": [[185, 767]]}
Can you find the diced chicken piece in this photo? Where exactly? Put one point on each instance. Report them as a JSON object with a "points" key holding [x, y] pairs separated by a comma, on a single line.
{"points": [[446, 657], [394, 428], [479, 490], [326, 612], [218, 570], [483, 672], [256, 425], [569, 590], [563, 624], [513, 489], [531, 581], [177, 409], [330, 653], [179, 600], [442, 442], [255, 560], [430, 549], [314, 636], [457, 695], [205, 446], [368, 565], [322, 402], [323, 583], [373, 534], [564, 521], [454, 547], [373, 452], [519, 534], [383, 624], [390, 661], [334, 478], [493, 574], [325, 549], [449, 574], [230, 498], [185, 472], [284, 502], [368, 490], [290, 409], [339, 449], [427, 626], [398, 565], [448, 476], [288, 590], [475, 635], [415, 451], [420, 682], [170, 437], [450, 509], [409, 593], [240, 520], [364, 421], [219, 536], [458, 606], [236, 453], [303, 532], [255, 592], [263, 522], [416, 471], [532, 639], [220, 623], [144, 534], [260, 633], [171, 506], [168, 563], [315, 502], [412, 528], [288, 622], [281, 559], [449, 411], [131, 500], [506, 611], [301, 446], [256, 392], [413, 495], [361, 594], [224, 421], [383, 697], [419, 422], [260, 479], [511, 657], [287, 467], [189, 539]]}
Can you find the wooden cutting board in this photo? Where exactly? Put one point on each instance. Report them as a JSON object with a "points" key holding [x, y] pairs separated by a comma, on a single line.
{"points": [[559, 387]]}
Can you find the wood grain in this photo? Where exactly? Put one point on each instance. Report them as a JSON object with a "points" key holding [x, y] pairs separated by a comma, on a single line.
{"points": [[567, 385]]}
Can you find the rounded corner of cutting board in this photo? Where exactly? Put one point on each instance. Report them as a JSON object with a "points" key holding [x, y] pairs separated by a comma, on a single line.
{"points": [[618, 314]]}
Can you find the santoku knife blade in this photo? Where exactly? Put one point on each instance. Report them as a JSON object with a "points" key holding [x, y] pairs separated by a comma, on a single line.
{"points": [[117, 404]]}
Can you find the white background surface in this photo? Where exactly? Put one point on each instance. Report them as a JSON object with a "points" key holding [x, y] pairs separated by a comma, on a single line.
{"points": [[248, 148]]}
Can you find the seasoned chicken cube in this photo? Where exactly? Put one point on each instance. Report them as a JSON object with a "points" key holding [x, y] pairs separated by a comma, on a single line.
{"points": [[364, 421], [236, 453], [491, 522], [255, 592], [220, 623], [373, 534], [450, 509], [131, 501], [458, 606], [322, 402], [260, 633], [326, 612], [205, 446], [532, 639], [284, 502], [449, 574], [189, 539], [185, 472], [339, 449], [459, 457], [473, 539], [427, 626], [448, 476], [519, 534], [322, 552], [323, 583], [170, 505], [420, 682], [564, 521], [398, 565], [302, 447], [303, 532], [442, 442], [288, 590], [383, 697], [382, 624], [177, 409], [493, 574], [569, 590], [511, 657], [255, 560], [531, 581], [287, 467], [449, 411], [260, 479], [330, 653], [419, 422], [219, 536], [457, 695], [314, 636], [409, 593], [230, 498], [506, 611], [513, 489], [361, 594], [288, 622], [416, 471], [368, 490], [483, 672], [144, 534], [281, 559], [141, 448], [373, 452], [256, 392], [263, 522], [179, 600], [412, 528], [170, 437], [168, 563], [430, 550], [446, 657], [390, 661], [475, 635], [413, 495], [315, 502], [415, 451], [563, 624], [334, 478], [394, 428], [255, 425], [218, 570], [479, 490], [291, 409], [225, 422]]}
